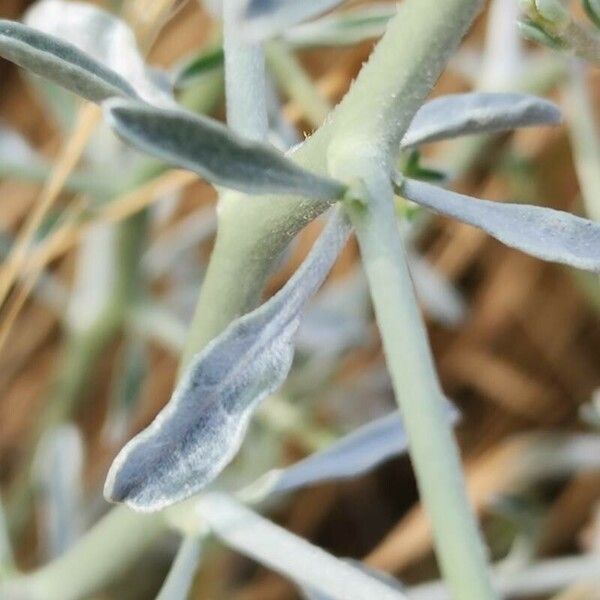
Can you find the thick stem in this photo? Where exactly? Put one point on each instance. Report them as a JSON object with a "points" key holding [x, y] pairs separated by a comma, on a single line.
{"points": [[102, 554], [433, 449]]}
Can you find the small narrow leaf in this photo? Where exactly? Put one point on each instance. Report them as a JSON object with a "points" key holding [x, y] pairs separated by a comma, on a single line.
{"points": [[352, 455], [262, 19], [542, 232], [60, 62], [343, 28], [210, 149], [201, 429], [464, 114], [271, 545]]}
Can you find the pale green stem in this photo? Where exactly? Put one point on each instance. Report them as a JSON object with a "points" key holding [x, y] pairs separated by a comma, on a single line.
{"points": [[254, 231], [433, 450], [366, 137], [295, 82], [102, 554], [245, 82]]}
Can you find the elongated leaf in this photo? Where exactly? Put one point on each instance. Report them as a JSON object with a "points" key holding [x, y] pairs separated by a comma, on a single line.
{"points": [[543, 232], [201, 429], [60, 62], [287, 554], [261, 19], [353, 455], [193, 69], [211, 150], [181, 575], [103, 37], [343, 28], [477, 112]]}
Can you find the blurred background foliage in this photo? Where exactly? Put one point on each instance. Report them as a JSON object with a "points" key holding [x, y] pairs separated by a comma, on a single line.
{"points": [[517, 341]]}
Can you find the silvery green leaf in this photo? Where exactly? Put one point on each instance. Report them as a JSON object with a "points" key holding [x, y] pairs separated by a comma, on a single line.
{"points": [[181, 575], [270, 545], [202, 427], [60, 62], [352, 455], [262, 19], [343, 28], [548, 234], [59, 463], [209, 149], [477, 112], [104, 38]]}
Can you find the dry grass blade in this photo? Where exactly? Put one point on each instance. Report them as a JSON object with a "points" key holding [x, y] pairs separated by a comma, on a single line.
{"points": [[87, 120]]}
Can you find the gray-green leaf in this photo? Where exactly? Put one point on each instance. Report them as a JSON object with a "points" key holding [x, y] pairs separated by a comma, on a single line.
{"points": [[210, 149], [60, 62], [261, 19], [353, 455], [478, 112], [343, 28], [104, 38], [202, 427], [548, 234]]}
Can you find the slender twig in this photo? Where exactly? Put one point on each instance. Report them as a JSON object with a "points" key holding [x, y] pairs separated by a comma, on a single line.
{"points": [[295, 82]]}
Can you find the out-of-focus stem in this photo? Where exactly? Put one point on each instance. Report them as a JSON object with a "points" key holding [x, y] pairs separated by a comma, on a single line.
{"points": [[295, 82]]}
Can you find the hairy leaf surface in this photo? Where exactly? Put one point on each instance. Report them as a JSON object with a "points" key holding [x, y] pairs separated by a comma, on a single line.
{"points": [[60, 62], [202, 427], [210, 149], [103, 37], [546, 233], [478, 112]]}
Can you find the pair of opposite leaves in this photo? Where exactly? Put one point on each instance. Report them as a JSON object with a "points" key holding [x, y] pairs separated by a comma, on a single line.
{"points": [[203, 425]]}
